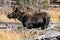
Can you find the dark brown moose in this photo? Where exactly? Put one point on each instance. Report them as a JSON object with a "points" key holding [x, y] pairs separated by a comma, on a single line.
{"points": [[31, 21]]}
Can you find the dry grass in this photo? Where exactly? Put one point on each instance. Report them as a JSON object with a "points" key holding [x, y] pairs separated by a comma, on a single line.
{"points": [[12, 35], [8, 35], [54, 14], [5, 19]]}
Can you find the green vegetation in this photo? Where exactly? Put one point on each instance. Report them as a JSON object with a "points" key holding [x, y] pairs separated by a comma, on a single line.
{"points": [[34, 3], [46, 3]]}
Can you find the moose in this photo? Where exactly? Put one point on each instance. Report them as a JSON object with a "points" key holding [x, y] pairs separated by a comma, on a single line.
{"points": [[31, 21]]}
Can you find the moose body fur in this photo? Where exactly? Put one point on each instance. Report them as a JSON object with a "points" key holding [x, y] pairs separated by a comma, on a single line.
{"points": [[31, 21]]}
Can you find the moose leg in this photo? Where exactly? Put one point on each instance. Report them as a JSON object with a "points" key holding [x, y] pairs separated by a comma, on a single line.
{"points": [[45, 26], [58, 37], [47, 22], [42, 26], [28, 25]]}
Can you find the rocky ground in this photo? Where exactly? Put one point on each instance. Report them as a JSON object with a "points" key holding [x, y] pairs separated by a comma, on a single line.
{"points": [[21, 33]]}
